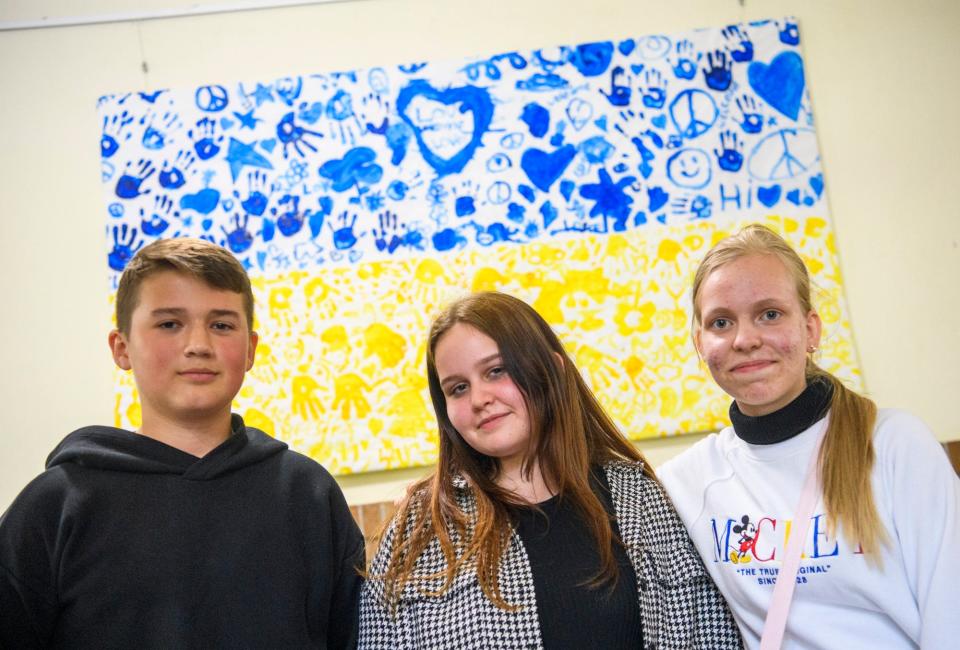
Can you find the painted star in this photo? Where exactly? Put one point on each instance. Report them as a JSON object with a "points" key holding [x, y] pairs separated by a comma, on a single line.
{"points": [[247, 120], [240, 154], [262, 94], [610, 198]]}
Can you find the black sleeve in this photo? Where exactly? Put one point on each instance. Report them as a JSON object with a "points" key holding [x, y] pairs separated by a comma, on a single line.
{"points": [[28, 604], [345, 600]]}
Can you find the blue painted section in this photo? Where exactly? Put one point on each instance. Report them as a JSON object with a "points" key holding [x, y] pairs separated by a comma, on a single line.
{"points": [[426, 158]]}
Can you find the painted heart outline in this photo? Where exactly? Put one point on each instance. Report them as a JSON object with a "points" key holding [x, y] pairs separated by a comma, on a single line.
{"points": [[471, 98]]}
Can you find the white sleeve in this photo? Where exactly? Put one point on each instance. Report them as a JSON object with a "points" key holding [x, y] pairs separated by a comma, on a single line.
{"points": [[924, 494]]}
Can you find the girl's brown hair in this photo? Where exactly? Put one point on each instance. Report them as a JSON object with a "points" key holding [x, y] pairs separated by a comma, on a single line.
{"points": [[570, 435], [847, 455]]}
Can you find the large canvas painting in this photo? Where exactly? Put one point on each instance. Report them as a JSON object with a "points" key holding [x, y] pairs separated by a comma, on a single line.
{"points": [[586, 179]]}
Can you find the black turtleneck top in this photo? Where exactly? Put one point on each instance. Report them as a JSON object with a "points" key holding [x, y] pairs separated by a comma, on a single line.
{"points": [[797, 416], [563, 558]]}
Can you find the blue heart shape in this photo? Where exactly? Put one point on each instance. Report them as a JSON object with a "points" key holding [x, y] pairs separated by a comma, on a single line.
{"points": [[637, 68], [780, 83], [657, 198], [659, 121], [268, 145], [769, 196], [816, 184], [543, 168], [627, 46], [471, 99], [226, 123], [794, 196]]}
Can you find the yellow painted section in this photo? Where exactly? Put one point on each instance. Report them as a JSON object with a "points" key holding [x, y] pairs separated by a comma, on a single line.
{"points": [[340, 370]]}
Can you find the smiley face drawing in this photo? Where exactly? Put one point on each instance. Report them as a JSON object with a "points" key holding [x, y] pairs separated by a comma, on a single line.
{"points": [[690, 169]]}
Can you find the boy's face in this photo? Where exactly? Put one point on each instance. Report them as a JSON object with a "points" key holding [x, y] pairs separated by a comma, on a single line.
{"points": [[189, 347]]}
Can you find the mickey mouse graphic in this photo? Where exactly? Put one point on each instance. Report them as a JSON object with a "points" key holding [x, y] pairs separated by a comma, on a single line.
{"points": [[748, 540]]}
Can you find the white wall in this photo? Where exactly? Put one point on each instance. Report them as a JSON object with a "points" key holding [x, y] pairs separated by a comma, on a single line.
{"points": [[883, 77]]}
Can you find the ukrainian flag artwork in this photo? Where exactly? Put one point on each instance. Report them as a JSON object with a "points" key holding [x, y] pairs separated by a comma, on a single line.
{"points": [[588, 180]]}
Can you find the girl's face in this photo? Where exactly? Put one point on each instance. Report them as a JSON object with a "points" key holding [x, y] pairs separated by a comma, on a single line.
{"points": [[483, 403], [754, 335]]}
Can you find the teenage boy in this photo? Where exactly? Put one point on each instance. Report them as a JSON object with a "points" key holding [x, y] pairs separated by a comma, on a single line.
{"points": [[195, 531]]}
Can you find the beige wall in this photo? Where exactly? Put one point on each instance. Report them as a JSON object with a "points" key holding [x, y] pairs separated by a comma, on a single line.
{"points": [[883, 77]]}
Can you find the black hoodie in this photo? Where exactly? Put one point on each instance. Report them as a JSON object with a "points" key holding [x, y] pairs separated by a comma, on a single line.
{"points": [[125, 542]]}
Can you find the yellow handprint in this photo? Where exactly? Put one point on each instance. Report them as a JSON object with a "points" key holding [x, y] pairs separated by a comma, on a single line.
{"points": [[409, 415], [304, 402], [265, 366], [279, 307], [348, 395], [386, 344], [601, 368]]}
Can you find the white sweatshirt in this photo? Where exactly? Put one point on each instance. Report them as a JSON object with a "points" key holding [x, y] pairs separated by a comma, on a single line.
{"points": [[737, 499]]}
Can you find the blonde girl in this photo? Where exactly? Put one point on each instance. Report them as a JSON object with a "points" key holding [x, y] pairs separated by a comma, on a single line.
{"points": [[880, 561]]}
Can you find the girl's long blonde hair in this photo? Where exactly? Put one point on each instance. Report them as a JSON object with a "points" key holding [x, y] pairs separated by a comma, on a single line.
{"points": [[570, 436], [847, 455]]}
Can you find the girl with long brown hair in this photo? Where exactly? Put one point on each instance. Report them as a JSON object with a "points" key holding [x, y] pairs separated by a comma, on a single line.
{"points": [[879, 564], [542, 526]]}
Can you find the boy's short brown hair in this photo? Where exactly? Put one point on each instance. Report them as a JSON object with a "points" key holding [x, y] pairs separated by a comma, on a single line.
{"points": [[195, 257]]}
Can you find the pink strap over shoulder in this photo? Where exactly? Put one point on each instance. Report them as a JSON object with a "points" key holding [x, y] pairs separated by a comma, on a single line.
{"points": [[776, 622]]}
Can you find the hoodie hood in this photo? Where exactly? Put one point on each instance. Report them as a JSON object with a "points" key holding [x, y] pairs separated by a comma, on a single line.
{"points": [[118, 450]]}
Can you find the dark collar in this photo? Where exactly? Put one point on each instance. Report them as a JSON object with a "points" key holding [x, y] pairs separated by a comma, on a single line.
{"points": [[811, 405]]}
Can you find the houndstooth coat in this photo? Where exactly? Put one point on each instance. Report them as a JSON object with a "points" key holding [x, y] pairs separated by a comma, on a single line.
{"points": [[679, 604]]}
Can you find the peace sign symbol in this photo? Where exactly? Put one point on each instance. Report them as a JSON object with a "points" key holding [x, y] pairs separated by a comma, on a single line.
{"points": [[784, 154], [211, 98], [693, 112]]}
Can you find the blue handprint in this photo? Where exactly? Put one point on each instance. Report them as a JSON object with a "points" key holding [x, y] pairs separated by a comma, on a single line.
{"points": [[256, 201], [157, 223], [114, 130], [153, 137], [340, 111], [123, 248], [205, 141], [752, 120], [619, 94], [291, 220], [387, 237], [655, 89], [343, 236], [730, 158], [375, 113], [687, 58], [292, 135], [789, 33], [718, 74], [739, 43], [128, 185], [171, 176], [239, 239]]}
